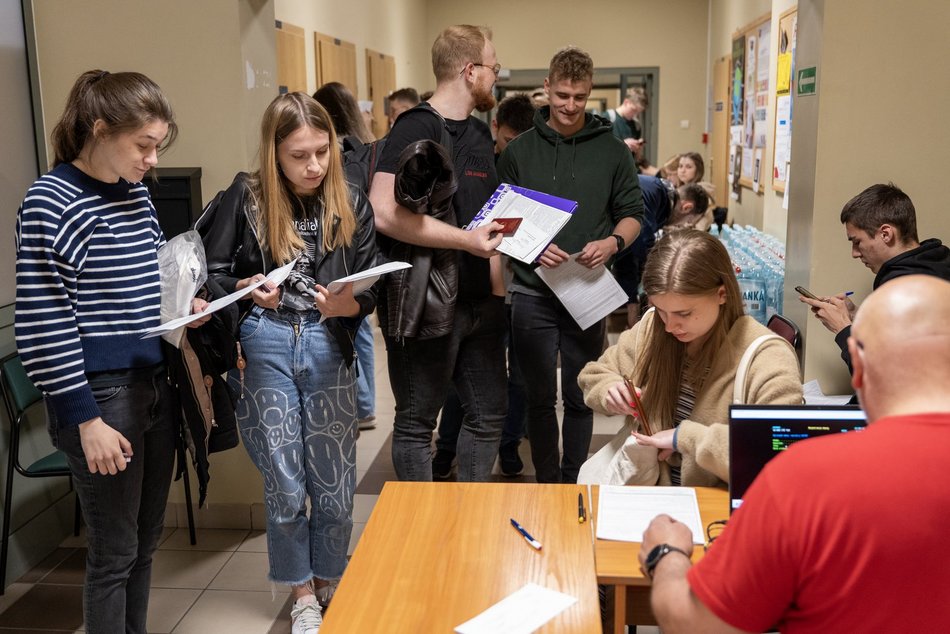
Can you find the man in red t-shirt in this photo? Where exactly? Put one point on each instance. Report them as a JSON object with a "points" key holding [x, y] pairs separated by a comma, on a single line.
{"points": [[845, 533]]}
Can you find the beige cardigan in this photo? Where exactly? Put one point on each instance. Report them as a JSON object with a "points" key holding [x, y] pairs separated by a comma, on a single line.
{"points": [[703, 438]]}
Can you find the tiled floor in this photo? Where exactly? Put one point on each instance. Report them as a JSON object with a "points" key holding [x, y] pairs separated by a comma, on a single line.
{"points": [[220, 585]]}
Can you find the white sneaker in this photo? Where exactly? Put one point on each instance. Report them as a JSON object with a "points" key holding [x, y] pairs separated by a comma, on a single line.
{"points": [[306, 617]]}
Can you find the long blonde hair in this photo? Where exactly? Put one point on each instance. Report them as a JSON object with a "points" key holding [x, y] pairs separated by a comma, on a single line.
{"points": [[274, 194], [685, 262]]}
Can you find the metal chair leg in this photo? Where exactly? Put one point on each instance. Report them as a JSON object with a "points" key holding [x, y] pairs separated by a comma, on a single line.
{"points": [[186, 480]]}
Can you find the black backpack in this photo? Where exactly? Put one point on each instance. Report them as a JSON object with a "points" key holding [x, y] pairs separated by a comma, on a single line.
{"points": [[360, 159]]}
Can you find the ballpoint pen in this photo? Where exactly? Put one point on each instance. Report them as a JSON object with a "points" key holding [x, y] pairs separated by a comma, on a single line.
{"points": [[531, 540], [581, 511]]}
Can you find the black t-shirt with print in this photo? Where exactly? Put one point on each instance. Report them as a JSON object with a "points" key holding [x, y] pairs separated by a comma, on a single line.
{"points": [[473, 153], [307, 224]]}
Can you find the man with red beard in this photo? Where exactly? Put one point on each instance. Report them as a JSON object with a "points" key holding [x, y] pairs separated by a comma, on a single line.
{"points": [[466, 343]]}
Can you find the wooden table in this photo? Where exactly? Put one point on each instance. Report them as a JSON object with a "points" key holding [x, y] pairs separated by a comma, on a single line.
{"points": [[617, 562], [435, 554]]}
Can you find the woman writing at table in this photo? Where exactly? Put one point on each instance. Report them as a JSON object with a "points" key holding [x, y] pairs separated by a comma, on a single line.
{"points": [[683, 356], [297, 411]]}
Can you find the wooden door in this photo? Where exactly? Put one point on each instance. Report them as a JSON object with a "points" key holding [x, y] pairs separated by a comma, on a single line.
{"points": [[381, 80], [719, 141], [335, 61], [291, 58]]}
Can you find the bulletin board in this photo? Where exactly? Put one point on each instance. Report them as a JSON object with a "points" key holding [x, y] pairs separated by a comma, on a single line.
{"points": [[784, 78], [748, 103]]}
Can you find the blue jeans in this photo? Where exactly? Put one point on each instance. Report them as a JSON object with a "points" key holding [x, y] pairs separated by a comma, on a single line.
{"points": [[541, 328], [297, 416], [366, 382], [512, 431], [472, 358], [124, 513]]}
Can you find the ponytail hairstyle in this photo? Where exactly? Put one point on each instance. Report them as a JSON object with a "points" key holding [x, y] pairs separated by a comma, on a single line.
{"points": [[123, 101], [685, 262], [274, 194]]}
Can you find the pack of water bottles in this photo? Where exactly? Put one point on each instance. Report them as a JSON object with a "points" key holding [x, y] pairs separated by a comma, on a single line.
{"points": [[759, 261]]}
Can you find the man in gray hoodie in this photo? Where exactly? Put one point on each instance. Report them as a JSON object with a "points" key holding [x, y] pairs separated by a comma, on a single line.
{"points": [[571, 154]]}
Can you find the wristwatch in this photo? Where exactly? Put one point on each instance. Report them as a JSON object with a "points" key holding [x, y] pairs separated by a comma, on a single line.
{"points": [[658, 553], [620, 241]]}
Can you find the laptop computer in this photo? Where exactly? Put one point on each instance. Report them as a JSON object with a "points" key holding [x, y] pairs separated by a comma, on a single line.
{"points": [[757, 433]]}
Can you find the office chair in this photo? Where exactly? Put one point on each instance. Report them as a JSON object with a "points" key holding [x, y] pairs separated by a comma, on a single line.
{"points": [[19, 395], [786, 328]]}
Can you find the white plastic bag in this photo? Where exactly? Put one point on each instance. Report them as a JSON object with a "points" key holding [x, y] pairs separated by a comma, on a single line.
{"points": [[181, 264], [621, 461]]}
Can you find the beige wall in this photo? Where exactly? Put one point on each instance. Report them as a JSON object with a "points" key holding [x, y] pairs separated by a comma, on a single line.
{"points": [[670, 35], [879, 116], [393, 27], [214, 59]]}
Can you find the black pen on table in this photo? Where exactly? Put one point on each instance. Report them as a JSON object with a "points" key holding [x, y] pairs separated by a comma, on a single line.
{"points": [[581, 511]]}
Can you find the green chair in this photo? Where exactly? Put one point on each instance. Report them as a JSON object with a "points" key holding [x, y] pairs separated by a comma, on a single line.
{"points": [[19, 395]]}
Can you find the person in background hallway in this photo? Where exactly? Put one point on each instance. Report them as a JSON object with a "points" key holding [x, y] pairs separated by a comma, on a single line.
{"points": [[660, 201], [400, 101], [87, 289], [684, 356], [843, 533], [571, 154], [514, 116], [881, 225], [462, 342], [351, 132], [296, 412], [625, 120]]}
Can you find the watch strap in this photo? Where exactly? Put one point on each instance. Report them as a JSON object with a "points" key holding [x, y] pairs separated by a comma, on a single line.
{"points": [[657, 555], [621, 243]]}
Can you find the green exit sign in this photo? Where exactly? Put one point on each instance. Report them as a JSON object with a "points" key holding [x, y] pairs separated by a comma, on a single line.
{"points": [[807, 81]]}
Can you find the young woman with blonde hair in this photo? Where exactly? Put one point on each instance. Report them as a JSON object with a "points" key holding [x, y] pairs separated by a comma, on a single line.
{"points": [[297, 409], [683, 356]]}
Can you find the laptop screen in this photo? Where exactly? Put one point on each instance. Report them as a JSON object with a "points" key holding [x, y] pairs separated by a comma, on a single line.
{"points": [[757, 433]]}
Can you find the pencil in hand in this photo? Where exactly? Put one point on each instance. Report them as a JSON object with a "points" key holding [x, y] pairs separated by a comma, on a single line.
{"points": [[638, 405]]}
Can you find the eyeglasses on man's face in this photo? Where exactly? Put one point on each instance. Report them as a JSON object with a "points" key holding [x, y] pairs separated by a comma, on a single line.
{"points": [[495, 69]]}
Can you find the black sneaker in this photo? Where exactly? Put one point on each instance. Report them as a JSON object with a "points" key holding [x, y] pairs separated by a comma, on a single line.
{"points": [[511, 465], [442, 463]]}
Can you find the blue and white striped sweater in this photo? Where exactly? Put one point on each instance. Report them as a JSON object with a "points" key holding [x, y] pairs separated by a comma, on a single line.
{"points": [[87, 285]]}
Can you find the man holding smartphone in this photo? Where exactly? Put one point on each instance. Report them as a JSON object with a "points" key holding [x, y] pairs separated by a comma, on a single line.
{"points": [[881, 225]]}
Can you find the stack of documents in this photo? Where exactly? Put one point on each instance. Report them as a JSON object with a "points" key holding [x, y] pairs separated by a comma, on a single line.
{"points": [[623, 513], [542, 217]]}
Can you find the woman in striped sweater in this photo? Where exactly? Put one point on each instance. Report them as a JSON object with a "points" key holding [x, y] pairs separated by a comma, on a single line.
{"points": [[88, 286]]}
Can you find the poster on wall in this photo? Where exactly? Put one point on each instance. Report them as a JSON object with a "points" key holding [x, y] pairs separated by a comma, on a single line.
{"points": [[751, 57], [784, 69], [762, 86], [738, 83]]}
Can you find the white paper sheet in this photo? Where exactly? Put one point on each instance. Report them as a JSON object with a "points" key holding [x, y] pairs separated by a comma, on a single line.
{"points": [[365, 279], [277, 276], [814, 396], [589, 295], [624, 512], [521, 612]]}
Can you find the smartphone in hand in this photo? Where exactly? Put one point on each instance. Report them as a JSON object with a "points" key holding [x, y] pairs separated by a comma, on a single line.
{"points": [[801, 290]]}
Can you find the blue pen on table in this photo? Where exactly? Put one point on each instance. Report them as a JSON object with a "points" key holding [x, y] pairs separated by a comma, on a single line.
{"points": [[531, 540]]}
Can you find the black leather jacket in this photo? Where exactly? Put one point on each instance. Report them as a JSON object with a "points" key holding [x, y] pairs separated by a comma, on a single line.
{"points": [[420, 301], [233, 252]]}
